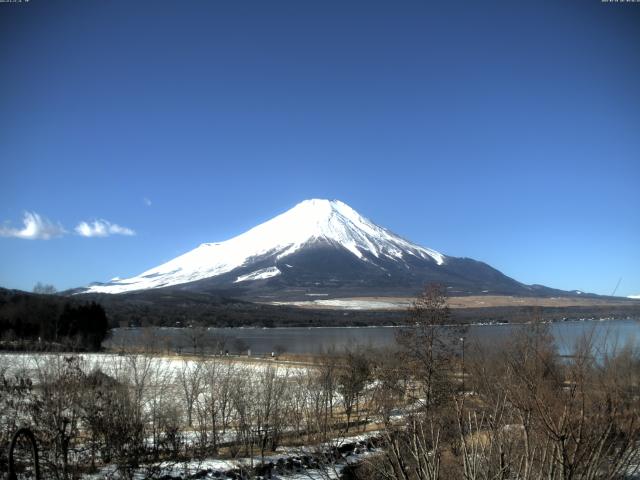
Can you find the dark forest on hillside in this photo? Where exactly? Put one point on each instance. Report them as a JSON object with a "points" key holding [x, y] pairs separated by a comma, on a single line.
{"points": [[50, 322]]}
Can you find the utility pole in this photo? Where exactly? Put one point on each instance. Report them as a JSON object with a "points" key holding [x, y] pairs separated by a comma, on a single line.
{"points": [[616, 289], [462, 340]]}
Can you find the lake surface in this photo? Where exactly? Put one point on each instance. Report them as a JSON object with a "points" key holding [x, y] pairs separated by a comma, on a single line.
{"points": [[608, 334]]}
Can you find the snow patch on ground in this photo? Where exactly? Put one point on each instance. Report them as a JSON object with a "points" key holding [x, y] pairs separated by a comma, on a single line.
{"points": [[28, 364], [216, 468], [352, 304]]}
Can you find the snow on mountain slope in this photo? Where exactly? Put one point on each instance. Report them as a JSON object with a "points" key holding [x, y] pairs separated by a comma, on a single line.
{"points": [[259, 274], [635, 297], [308, 222]]}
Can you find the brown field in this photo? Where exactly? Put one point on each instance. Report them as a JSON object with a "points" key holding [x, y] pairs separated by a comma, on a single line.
{"points": [[474, 301], [508, 301]]}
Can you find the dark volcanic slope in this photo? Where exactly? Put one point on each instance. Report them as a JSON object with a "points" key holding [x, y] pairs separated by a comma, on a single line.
{"points": [[328, 270]]}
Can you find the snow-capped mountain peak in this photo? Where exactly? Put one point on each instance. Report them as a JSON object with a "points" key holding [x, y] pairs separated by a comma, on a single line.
{"points": [[315, 221]]}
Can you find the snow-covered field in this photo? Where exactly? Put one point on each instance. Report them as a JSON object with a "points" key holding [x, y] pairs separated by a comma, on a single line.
{"points": [[352, 304], [161, 380], [28, 364]]}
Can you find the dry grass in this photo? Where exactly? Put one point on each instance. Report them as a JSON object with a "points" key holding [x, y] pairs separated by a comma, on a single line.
{"points": [[472, 301]]}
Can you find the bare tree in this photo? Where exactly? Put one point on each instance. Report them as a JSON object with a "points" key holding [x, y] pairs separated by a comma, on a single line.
{"points": [[413, 452], [540, 418], [190, 377], [270, 408], [44, 289], [427, 344], [353, 376], [325, 379], [242, 396], [160, 406], [16, 390], [55, 410]]}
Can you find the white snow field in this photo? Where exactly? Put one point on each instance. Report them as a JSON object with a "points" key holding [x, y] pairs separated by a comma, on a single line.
{"points": [[29, 364], [352, 304]]}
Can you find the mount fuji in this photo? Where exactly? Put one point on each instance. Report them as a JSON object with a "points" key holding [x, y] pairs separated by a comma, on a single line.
{"points": [[319, 248]]}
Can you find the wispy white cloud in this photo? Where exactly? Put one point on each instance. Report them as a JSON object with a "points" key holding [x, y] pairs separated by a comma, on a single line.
{"points": [[147, 201], [35, 228], [101, 228], [636, 297]]}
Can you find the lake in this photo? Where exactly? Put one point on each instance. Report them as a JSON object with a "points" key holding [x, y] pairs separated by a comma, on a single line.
{"points": [[263, 341]]}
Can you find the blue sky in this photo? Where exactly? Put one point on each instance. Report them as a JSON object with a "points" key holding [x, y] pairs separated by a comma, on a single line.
{"points": [[504, 131]]}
